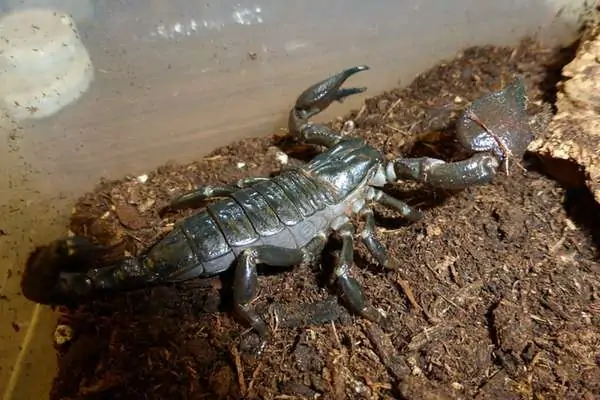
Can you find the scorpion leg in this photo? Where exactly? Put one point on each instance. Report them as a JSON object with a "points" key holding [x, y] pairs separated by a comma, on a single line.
{"points": [[207, 192], [200, 194], [408, 212], [368, 233], [350, 288], [368, 237], [315, 99], [245, 283]]}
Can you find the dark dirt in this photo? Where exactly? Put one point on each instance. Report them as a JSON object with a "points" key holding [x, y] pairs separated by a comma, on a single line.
{"points": [[495, 294]]}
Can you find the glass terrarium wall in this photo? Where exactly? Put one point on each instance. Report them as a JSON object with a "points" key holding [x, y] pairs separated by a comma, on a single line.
{"points": [[170, 80], [104, 88]]}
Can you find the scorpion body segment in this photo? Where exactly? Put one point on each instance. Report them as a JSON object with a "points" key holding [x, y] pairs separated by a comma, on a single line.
{"points": [[286, 220]]}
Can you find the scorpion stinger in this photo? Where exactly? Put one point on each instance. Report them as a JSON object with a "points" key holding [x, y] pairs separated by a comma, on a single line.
{"points": [[286, 220]]}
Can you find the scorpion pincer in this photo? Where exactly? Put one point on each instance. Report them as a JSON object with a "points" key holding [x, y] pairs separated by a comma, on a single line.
{"points": [[286, 220]]}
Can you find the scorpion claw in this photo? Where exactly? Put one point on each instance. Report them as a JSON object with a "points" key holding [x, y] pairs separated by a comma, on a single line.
{"points": [[495, 127], [341, 94], [315, 99], [319, 96]]}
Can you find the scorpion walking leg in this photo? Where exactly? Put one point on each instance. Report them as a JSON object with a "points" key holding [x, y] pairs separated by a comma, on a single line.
{"points": [[368, 233], [368, 237], [408, 212], [207, 192], [350, 288], [315, 99], [245, 284]]}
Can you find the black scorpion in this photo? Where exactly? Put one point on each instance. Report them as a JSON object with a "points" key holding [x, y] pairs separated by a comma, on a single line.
{"points": [[286, 220]]}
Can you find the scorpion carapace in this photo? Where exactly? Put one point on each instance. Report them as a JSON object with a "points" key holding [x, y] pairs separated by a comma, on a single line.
{"points": [[285, 220]]}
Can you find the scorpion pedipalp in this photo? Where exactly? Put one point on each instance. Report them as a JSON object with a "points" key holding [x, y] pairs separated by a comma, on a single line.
{"points": [[317, 98], [495, 126]]}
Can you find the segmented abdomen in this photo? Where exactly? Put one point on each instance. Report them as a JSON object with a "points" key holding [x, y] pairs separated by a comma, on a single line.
{"points": [[271, 212], [286, 211]]}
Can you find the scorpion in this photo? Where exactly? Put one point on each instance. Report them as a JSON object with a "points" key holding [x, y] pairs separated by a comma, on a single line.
{"points": [[286, 220]]}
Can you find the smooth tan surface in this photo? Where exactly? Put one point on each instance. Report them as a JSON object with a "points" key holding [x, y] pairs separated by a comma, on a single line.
{"points": [[162, 93]]}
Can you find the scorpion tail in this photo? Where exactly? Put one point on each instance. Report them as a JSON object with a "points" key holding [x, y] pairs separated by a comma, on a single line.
{"points": [[59, 274], [317, 98]]}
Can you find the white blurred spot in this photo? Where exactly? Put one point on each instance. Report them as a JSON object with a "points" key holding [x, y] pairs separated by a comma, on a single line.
{"points": [[187, 28], [348, 127], [295, 45], [63, 334], [282, 157], [194, 26], [246, 16], [142, 178]]}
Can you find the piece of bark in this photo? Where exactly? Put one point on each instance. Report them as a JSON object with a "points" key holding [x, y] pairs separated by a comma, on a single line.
{"points": [[570, 147]]}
